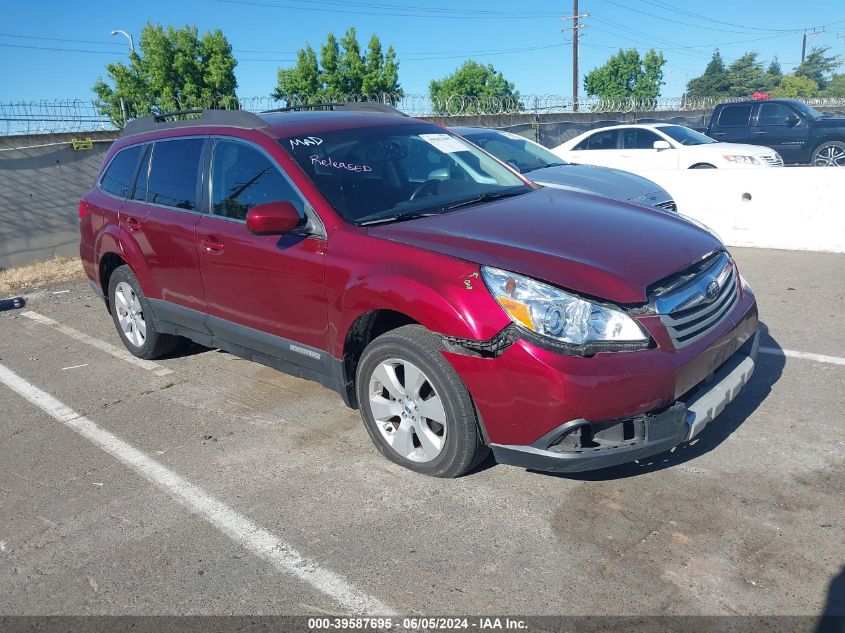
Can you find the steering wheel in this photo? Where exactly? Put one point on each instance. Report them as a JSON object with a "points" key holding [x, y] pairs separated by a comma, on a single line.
{"points": [[427, 185]]}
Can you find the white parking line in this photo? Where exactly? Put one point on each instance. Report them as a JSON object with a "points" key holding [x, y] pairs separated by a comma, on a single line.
{"points": [[230, 522], [819, 358], [118, 352]]}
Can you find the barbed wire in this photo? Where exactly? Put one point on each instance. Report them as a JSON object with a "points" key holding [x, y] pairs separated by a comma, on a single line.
{"points": [[78, 115]]}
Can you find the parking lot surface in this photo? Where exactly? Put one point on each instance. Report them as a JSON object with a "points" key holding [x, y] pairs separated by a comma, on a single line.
{"points": [[310, 519]]}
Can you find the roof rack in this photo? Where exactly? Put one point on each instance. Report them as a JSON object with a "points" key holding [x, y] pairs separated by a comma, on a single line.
{"points": [[227, 118], [351, 106]]}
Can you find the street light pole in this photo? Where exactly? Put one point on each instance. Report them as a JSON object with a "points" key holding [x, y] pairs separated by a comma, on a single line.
{"points": [[127, 36]]}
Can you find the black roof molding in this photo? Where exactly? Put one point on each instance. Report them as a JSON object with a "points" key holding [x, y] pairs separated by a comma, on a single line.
{"points": [[227, 118], [344, 106]]}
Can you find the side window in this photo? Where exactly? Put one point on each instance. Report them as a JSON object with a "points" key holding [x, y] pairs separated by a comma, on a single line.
{"points": [[639, 139], [600, 140], [173, 173], [243, 177], [140, 191], [117, 178], [773, 114], [734, 116]]}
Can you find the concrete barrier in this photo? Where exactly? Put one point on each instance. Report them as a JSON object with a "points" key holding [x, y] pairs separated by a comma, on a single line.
{"points": [[41, 180], [797, 208]]}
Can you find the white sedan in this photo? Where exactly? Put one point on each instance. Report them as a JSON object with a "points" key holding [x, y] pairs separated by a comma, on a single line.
{"points": [[661, 146]]}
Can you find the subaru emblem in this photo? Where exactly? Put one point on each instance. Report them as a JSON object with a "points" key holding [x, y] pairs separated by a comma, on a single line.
{"points": [[712, 290]]}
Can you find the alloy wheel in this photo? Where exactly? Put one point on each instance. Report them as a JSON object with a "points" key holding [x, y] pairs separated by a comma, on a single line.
{"points": [[407, 410], [130, 315], [830, 156]]}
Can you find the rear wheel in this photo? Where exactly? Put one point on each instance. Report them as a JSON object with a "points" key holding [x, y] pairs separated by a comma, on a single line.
{"points": [[829, 154], [703, 166], [416, 409], [132, 317]]}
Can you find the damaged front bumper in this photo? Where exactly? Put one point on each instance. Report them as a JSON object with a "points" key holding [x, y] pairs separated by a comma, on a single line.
{"points": [[579, 445]]}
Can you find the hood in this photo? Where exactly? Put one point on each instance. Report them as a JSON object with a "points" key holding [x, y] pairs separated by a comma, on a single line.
{"points": [[592, 245], [734, 148], [830, 121], [613, 183]]}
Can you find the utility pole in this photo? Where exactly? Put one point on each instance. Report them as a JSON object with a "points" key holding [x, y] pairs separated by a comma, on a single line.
{"points": [[574, 28], [815, 31]]}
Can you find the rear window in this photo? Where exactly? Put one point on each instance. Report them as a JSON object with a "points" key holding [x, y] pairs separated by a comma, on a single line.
{"points": [[117, 179], [600, 140], [734, 116], [173, 173]]}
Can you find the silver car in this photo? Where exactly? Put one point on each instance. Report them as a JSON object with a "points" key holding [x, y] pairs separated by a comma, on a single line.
{"points": [[544, 168]]}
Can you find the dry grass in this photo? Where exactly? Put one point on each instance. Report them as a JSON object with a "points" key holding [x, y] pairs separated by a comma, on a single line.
{"points": [[40, 275]]}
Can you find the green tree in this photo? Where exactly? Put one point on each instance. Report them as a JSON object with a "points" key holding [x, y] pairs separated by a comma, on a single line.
{"points": [[795, 86], [773, 75], [176, 68], [714, 81], [343, 72], [486, 88], [836, 86], [625, 74], [817, 65], [745, 76]]}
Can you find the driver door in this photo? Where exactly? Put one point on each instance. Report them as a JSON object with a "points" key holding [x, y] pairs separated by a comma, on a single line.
{"points": [[261, 284], [639, 153]]}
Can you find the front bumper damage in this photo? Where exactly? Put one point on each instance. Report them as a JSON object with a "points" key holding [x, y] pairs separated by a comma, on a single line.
{"points": [[578, 445]]}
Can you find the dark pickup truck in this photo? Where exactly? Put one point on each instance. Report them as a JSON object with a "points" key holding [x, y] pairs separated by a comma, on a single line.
{"points": [[799, 133]]}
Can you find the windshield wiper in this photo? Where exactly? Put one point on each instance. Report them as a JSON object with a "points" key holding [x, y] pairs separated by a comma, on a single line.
{"points": [[397, 217], [525, 171], [484, 197]]}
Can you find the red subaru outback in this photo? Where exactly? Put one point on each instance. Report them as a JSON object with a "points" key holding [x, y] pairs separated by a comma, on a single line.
{"points": [[461, 307]]}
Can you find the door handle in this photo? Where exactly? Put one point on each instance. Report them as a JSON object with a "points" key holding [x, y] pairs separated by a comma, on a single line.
{"points": [[212, 245], [760, 132], [132, 223], [719, 133]]}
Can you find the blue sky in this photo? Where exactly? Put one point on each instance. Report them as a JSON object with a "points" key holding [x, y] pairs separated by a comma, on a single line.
{"points": [[522, 39]]}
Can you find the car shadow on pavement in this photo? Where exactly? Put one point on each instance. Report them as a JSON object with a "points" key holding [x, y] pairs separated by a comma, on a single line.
{"points": [[833, 616], [767, 372]]}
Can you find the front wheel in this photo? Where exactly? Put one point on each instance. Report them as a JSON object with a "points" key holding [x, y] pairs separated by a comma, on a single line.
{"points": [[703, 166], [829, 154], [416, 409]]}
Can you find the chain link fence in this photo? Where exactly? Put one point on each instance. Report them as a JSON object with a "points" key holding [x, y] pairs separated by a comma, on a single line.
{"points": [[77, 115]]}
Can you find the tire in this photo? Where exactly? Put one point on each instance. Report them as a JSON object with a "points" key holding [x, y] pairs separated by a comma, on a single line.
{"points": [[703, 166], [129, 310], [829, 154], [447, 448]]}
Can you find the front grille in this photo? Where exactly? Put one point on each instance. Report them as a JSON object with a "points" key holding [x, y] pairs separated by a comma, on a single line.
{"points": [[669, 205], [773, 160], [699, 305]]}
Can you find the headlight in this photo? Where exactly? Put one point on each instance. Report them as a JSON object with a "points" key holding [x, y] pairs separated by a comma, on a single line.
{"points": [[558, 315], [740, 158]]}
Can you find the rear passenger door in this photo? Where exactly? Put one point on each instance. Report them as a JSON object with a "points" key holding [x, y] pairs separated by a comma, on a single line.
{"points": [[600, 148], [264, 292], [734, 124], [161, 215]]}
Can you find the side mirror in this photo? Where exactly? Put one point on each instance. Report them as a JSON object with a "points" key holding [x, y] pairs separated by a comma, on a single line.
{"points": [[661, 145], [792, 120], [273, 218]]}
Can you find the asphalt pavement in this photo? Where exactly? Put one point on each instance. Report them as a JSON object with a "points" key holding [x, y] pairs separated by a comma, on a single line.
{"points": [[206, 484]]}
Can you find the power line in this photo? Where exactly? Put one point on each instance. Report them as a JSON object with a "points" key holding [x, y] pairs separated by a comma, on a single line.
{"points": [[60, 39], [431, 13], [668, 7], [63, 50]]}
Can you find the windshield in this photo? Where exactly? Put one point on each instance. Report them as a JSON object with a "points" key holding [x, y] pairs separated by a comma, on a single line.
{"points": [[806, 110], [399, 171], [685, 136], [516, 151]]}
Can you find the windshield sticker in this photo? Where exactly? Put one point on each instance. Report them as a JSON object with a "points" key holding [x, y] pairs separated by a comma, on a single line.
{"points": [[329, 162], [308, 141], [444, 142], [515, 137]]}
